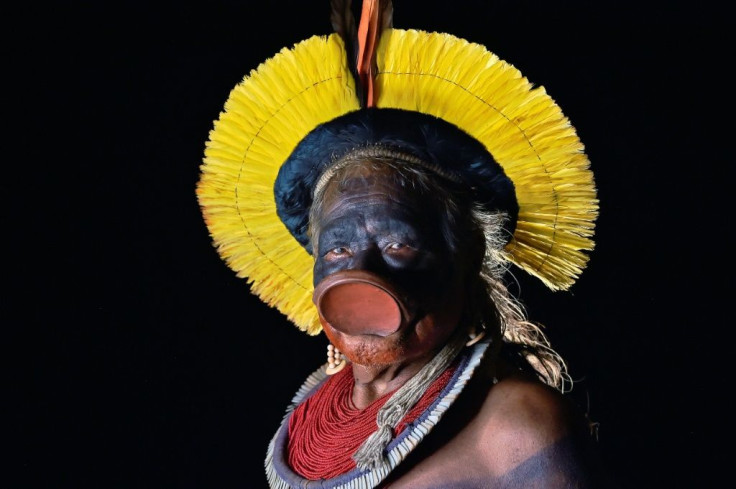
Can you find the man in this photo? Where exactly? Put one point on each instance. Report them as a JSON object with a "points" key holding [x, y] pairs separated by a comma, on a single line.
{"points": [[386, 213]]}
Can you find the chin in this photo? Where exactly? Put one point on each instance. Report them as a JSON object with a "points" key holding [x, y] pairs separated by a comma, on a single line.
{"points": [[414, 341], [370, 350], [377, 357]]}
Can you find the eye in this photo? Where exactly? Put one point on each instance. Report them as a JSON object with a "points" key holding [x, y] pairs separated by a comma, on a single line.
{"points": [[400, 254], [400, 250], [337, 252], [395, 246]]}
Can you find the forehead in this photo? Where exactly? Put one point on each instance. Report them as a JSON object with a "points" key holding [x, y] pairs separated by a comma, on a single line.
{"points": [[364, 204], [372, 183]]}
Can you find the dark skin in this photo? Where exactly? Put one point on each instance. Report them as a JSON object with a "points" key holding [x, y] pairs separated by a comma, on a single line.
{"points": [[516, 433], [368, 224]]}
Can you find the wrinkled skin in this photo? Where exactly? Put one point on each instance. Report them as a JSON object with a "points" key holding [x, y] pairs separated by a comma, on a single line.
{"points": [[370, 224], [517, 433]]}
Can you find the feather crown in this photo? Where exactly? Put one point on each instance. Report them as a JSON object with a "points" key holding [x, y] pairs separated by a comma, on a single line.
{"points": [[281, 123]]}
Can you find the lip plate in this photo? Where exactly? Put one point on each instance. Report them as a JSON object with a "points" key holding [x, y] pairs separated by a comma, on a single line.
{"points": [[357, 302]]}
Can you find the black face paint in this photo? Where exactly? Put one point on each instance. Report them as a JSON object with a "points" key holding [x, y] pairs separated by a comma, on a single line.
{"points": [[381, 260]]}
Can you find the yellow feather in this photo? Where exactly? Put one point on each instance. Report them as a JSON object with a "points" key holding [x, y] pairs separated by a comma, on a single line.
{"points": [[521, 127], [264, 118], [277, 104]]}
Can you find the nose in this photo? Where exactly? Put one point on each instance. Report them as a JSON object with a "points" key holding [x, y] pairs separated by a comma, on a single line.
{"points": [[368, 259]]}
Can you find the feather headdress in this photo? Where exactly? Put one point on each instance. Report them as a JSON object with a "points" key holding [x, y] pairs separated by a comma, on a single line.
{"points": [[261, 160]]}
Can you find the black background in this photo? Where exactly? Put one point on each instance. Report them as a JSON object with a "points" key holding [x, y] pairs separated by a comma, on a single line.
{"points": [[136, 358]]}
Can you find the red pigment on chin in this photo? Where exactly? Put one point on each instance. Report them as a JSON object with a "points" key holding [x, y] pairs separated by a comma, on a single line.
{"points": [[367, 350], [383, 356]]}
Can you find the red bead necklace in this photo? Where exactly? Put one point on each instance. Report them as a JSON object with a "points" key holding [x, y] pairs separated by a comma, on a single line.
{"points": [[327, 429]]}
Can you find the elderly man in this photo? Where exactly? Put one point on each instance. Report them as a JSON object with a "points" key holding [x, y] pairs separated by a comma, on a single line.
{"points": [[382, 203]]}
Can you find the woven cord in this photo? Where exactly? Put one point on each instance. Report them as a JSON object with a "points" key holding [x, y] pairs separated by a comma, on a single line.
{"points": [[371, 454]]}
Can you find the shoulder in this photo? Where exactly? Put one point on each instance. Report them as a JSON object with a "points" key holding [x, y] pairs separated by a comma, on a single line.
{"points": [[531, 409], [530, 432], [517, 433], [521, 417]]}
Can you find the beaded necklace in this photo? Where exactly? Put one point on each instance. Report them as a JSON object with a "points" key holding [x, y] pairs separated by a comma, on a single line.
{"points": [[327, 428], [280, 475]]}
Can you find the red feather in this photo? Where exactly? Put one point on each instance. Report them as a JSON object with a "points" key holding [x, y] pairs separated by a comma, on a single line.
{"points": [[360, 43]]}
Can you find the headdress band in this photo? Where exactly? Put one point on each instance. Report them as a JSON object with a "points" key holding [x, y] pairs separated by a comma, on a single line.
{"points": [[379, 152]]}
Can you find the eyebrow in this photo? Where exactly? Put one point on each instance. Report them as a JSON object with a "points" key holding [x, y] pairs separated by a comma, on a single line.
{"points": [[401, 227]]}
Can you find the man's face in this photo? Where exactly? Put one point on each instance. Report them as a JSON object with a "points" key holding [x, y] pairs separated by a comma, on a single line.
{"points": [[372, 224]]}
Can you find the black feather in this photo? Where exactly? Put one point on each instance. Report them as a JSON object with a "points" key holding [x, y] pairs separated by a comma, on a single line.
{"points": [[387, 15], [342, 17]]}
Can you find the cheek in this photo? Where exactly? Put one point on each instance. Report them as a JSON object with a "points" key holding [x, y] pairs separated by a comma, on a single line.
{"points": [[318, 272], [443, 302], [324, 267], [430, 279], [433, 330], [440, 322]]}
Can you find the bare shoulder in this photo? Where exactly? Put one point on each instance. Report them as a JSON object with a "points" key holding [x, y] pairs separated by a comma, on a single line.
{"points": [[518, 433], [529, 410], [531, 432], [521, 417]]}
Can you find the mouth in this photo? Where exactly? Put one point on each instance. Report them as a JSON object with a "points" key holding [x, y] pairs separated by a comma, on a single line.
{"points": [[356, 303]]}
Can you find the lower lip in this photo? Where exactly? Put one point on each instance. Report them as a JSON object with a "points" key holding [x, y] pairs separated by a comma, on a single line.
{"points": [[361, 308]]}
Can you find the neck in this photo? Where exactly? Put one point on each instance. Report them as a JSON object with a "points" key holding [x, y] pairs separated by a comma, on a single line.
{"points": [[374, 381]]}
